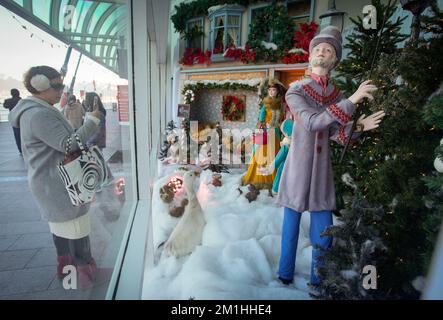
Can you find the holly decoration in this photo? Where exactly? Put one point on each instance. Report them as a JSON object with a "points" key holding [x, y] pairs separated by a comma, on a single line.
{"points": [[244, 55], [303, 37], [295, 56], [301, 41], [196, 56], [233, 108]]}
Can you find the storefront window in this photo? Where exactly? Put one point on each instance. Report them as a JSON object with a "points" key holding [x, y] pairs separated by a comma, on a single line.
{"points": [[75, 253]]}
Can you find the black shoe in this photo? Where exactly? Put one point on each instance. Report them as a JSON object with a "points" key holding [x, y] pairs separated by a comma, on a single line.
{"points": [[286, 282]]}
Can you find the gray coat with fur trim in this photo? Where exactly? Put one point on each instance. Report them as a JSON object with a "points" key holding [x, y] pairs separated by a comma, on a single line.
{"points": [[307, 180], [44, 133]]}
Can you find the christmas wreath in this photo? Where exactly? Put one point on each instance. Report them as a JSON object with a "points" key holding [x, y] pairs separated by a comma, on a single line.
{"points": [[233, 108], [273, 19]]}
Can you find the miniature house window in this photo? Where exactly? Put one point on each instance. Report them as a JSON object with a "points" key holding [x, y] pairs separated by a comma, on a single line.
{"points": [[300, 11], [225, 28], [254, 10], [195, 33]]}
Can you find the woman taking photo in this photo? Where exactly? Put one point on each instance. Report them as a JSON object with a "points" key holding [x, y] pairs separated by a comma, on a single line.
{"points": [[45, 132]]}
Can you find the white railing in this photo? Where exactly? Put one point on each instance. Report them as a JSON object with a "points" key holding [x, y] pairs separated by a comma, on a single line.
{"points": [[3, 114]]}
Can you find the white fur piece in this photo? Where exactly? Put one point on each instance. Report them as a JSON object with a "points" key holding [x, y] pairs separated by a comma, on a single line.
{"points": [[286, 141], [188, 232], [297, 50], [40, 82], [269, 45]]}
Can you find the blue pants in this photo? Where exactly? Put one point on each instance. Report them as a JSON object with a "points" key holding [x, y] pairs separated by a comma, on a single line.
{"points": [[320, 220]]}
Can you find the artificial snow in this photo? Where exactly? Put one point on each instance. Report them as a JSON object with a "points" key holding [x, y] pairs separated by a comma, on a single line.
{"points": [[240, 250]]}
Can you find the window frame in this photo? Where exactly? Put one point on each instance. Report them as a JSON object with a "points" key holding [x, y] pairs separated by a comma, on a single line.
{"points": [[255, 7], [202, 40], [225, 13], [311, 10]]}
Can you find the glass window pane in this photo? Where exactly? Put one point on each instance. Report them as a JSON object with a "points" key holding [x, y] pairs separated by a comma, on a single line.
{"points": [[86, 238], [299, 8], [219, 41], [254, 12], [219, 21], [197, 41], [101, 9], [85, 6], [301, 20], [258, 11], [41, 9], [233, 21], [233, 37]]}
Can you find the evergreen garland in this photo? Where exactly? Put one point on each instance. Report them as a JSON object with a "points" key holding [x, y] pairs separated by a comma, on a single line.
{"points": [[275, 19], [195, 87]]}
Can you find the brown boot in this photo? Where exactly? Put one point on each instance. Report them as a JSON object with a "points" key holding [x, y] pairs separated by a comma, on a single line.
{"points": [[90, 275], [63, 261], [86, 275]]}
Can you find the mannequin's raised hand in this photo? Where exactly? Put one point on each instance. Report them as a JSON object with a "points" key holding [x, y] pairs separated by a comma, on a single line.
{"points": [[372, 121], [364, 91]]}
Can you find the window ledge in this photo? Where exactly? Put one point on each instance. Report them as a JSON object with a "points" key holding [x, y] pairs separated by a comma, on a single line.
{"points": [[220, 58]]}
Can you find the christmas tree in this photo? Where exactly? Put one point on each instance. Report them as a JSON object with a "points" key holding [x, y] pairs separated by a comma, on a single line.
{"points": [[433, 116], [383, 221]]}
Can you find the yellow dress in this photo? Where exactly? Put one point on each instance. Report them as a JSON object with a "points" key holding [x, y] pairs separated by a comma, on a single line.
{"points": [[260, 158]]}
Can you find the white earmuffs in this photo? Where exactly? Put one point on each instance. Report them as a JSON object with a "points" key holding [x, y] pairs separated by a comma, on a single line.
{"points": [[40, 82]]}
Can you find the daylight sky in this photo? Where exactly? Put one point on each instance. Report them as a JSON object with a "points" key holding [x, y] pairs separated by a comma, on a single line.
{"points": [[19, 52]]}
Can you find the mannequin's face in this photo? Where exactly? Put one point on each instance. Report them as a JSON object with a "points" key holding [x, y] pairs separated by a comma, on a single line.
{"points": [[323, 55], [272, 92]]}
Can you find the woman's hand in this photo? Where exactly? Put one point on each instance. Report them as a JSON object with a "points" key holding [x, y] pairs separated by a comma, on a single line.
{"points": [[364, 91], [370, 122], [95, 113]]}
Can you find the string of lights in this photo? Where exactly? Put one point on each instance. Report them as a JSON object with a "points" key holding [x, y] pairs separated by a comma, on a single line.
{"points": [[35, 36]]}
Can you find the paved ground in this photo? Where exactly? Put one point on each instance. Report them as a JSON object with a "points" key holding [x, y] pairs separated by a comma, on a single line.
{"points": [[27, 253]]}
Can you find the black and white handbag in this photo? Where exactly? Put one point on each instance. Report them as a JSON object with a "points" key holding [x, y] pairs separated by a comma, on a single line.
{"points": [[83, 172]]}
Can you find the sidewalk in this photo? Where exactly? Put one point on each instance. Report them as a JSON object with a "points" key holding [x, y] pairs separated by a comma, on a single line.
{"points": [[27, 252]]}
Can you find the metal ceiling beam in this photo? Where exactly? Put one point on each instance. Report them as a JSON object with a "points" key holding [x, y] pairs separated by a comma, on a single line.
{"points": [[111, 43], [88, 17], [55, 14], [101, 21], [86, 35]]}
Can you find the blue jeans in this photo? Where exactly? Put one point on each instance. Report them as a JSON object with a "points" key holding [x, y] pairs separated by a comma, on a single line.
{"points": [[320, 220]]}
